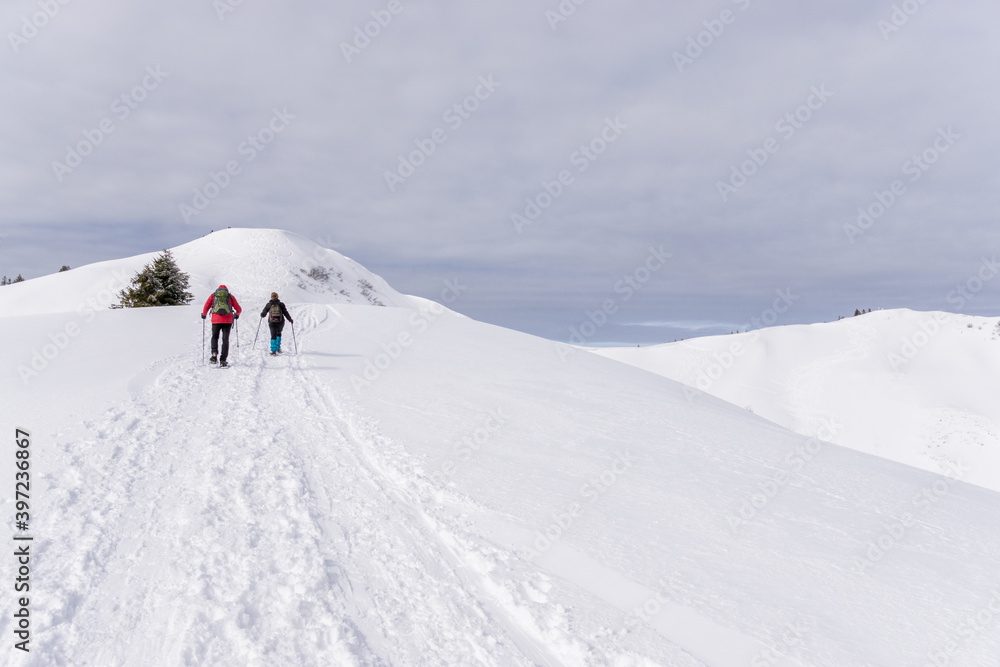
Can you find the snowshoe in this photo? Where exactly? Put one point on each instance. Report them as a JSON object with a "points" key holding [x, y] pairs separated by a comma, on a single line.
{"points": [[223, 364], [213, 359]]}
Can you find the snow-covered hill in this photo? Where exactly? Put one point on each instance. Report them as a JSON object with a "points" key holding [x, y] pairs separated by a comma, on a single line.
{"points": [[916, 387], [252, 263], [418, 488]]}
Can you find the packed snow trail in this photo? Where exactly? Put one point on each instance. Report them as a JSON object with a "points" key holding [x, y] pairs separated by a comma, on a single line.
{"points": [[252, 516], [225, 518]]}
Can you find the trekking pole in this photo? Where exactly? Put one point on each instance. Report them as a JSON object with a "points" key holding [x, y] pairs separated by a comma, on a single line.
{"points": [[203, 341], [256, 334], [236, 323], [294, 344]]}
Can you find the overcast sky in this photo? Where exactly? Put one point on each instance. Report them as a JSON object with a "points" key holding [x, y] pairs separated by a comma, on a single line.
{"points": [[738, 137]]}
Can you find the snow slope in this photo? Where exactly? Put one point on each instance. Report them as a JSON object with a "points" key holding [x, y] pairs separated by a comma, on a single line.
{"points": [[252, 263], [916, 387], [418, 488]]}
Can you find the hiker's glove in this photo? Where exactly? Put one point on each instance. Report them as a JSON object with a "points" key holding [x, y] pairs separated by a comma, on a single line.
{"points": [[202, 317]]}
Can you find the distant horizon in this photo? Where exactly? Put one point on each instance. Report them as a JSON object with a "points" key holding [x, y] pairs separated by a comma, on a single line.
{"points": [[616, 333]]}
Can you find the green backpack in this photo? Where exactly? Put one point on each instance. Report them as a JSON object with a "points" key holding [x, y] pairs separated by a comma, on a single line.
{"points": [[275, 313], [220, 306]]}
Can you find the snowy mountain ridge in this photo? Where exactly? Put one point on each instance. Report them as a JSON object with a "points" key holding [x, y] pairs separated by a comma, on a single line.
{"points": [[479, 501], [915, 387], [250, 262]]}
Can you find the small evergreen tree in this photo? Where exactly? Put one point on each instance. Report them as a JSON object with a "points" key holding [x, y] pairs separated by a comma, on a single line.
{"points": [[65, 267], [19, 279], [160, 283]]}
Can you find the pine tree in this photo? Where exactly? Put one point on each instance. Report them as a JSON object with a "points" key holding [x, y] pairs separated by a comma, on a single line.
{"points": [[19, 279], [65, 267], [160, 283]]}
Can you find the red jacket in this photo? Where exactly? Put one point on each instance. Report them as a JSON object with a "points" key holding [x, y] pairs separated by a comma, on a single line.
{"points": [[218, 318]]}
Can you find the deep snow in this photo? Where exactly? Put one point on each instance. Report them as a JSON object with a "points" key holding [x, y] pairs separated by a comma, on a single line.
{"points": [[915, 387], [415, 487]]}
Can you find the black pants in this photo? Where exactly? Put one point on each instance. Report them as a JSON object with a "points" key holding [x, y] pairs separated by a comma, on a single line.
{"points": [[276, 328], [224, 327]]}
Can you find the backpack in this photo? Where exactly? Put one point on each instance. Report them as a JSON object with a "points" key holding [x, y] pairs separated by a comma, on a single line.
{"points": [[220, 304], [274, 314]]}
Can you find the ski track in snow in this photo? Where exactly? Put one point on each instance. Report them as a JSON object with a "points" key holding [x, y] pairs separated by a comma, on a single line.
{"points": [[255, 516], [233, 517]]}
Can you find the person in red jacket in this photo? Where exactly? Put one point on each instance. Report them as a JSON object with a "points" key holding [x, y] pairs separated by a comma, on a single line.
{"points": [[225, 309]]}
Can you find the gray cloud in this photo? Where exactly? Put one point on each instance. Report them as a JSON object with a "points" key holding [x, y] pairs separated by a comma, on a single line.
{"points": [[324, 174]]}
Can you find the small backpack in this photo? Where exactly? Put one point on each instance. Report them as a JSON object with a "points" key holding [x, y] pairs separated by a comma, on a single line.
{"points": [[274, 315], [220, 306]]}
